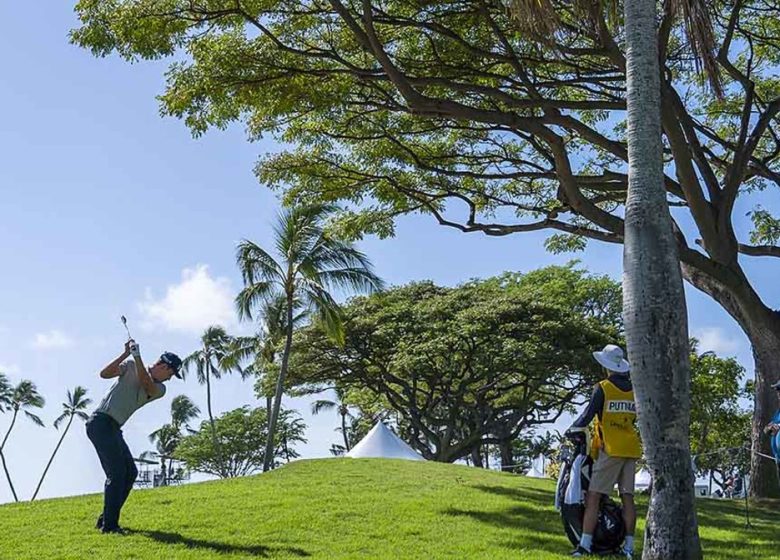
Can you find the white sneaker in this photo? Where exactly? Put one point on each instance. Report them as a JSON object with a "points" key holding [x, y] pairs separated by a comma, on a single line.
{"points": [[627, 553]]}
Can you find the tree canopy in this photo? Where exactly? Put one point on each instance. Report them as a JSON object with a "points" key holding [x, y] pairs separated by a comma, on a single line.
{"points": [[479, 363], [456, 110], [241, 434]]}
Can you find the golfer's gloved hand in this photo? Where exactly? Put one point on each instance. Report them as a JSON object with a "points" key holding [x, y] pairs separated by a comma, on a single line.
{"points": [[135, 349]]}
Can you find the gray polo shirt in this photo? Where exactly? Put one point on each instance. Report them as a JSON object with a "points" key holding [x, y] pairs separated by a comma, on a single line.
{"points": [[127, 394]]}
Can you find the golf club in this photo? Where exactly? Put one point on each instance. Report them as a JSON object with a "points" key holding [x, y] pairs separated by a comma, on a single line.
{"points": [[124, 322]]}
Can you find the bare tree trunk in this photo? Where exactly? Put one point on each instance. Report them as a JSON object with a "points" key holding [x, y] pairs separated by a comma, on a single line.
{"points": [[46, 470], [505, 450], [2, 455], [654, 306], [763, 471], [269, 446], [731, 289], [208, 405], [476, 456], [344, 431]]}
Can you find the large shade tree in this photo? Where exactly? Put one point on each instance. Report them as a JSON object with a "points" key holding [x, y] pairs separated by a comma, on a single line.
{"points": [[462, 367], [448, 108], [307, 264], [242, 436]]}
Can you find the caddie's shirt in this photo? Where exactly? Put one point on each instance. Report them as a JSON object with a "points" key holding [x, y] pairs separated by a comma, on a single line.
{"points": [[613, 407], [127, 394]]}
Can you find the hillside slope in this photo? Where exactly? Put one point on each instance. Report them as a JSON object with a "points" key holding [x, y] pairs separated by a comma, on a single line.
{"points": [[342, 508]]}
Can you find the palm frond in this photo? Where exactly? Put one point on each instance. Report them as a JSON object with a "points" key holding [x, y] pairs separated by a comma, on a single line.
{"points": [[255, 264], [61, 418], [254, 296], [326, 311], [322, 404], [35, 419], [356, 279], [701, 38], [537, 17]]}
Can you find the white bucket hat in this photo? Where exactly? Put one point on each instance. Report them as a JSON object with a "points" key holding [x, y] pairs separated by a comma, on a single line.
{"points": [[612, 358]]}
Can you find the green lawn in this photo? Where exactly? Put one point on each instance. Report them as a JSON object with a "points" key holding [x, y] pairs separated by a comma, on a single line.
{"points": [[342, 508]]}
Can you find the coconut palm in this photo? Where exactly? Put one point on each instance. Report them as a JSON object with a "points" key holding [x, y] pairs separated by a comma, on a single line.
{"points": [[73, 407], [182, 411], [215, 357], [166, 439], [342, 408], [263, 347], [310, 262], [22, 398]]}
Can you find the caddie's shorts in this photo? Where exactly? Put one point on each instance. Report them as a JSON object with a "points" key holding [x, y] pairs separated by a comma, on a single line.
{"points": [[608, 471]]}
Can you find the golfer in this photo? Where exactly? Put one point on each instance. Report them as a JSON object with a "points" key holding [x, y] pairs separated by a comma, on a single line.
{"points": [[616, 446], [773, 429], [134, 388]]}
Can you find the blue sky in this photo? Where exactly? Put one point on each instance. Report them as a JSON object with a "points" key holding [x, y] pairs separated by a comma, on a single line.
{"points": [[108, 209]]}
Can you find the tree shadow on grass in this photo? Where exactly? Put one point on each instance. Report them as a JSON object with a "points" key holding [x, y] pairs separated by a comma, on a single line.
{"points": [[254, 550]]}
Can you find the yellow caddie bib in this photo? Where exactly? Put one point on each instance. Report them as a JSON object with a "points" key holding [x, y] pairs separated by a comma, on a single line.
{"points": [[616, 432]]}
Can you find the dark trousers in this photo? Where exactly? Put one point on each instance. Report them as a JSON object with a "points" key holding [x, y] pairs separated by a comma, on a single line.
{"points": [[117, 461]]}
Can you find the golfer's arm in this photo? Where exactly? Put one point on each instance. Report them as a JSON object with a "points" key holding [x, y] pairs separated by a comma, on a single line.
{"points": [[145, 379], [112, 369]]}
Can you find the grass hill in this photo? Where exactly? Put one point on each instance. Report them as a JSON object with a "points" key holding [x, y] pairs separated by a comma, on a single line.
{"points": [[342, 508]]}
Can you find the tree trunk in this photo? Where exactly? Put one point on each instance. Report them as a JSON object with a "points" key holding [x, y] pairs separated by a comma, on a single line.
{"points": [[763, 471], [505, 450], [2, 455], [731, 289], [476, 456], [269, 445], [208, 406], [46, 470], [344, 431], [654, 306]]}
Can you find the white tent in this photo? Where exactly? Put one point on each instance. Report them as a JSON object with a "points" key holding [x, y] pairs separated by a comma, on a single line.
{"points": [[642, 480], [533, 472], [537, 468], [382, 442]]}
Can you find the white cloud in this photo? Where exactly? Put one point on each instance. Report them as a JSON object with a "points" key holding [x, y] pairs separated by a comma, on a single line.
{"points": [[51, 340], [716, 340], [190, 306]]}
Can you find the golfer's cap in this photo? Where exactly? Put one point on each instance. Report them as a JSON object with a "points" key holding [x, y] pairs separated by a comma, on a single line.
{"points": [[776, 385], [173, 361]]}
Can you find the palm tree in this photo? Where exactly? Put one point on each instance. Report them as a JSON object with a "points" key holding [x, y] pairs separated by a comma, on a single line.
{"points": [[182, 411], [73, 407], [310, 262], [263, 347], [22, 398], [215, 357], [343, 410], [166, 439], [168, 436]]}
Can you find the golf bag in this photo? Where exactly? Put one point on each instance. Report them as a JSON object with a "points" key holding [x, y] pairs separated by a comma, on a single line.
{"points": [[573, 482]]}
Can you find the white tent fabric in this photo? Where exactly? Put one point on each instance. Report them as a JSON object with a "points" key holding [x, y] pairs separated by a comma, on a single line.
{"points": [[383, 443], [642, 479], [533, 472], [537, 468]]}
